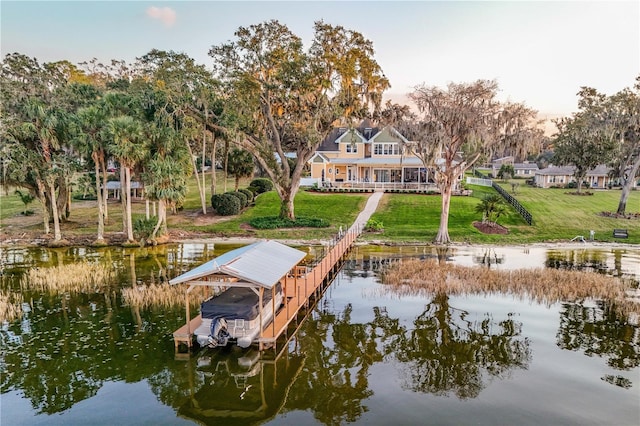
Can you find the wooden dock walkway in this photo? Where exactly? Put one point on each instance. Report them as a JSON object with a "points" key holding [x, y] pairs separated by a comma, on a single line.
{"points": [[302, 285]]}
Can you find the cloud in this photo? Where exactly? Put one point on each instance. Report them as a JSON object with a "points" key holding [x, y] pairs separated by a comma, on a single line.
{"points": [[165, 14]]}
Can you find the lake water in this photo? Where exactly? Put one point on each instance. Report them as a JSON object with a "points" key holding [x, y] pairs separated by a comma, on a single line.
{"points": [[363, 354]]}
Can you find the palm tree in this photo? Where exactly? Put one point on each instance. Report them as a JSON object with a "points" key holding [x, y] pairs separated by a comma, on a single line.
{"points": [[491, 207], [128, 147], [92, 121], [239, 165], [168, 168], [43, 127]]}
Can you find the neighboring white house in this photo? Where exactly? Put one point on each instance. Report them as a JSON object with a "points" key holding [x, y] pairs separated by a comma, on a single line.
{"points": [[526, 169], [556, 176]]}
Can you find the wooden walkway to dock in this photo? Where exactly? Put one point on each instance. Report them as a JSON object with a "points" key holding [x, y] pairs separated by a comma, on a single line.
{"points": [[304, 284], [301, 285]]}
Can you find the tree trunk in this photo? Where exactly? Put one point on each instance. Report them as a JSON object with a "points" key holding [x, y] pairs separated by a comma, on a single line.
{"points": [[104, 193], [61, 199], [57, 236], [627, 185], [287, 195], [162, 214], [100, 237], [580, 179], [203, 195], [127, 173], [201, 185], [226, 163], [443, 230], [213, 165], [45, 208], [123, 197], [164, 227]]}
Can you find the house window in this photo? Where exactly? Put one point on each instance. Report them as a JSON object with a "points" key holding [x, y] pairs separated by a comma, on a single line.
{"points": [[381, 175], [386, 149], [352, 148]]}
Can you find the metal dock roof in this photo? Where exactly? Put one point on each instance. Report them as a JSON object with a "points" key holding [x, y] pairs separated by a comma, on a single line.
{"points": [[262, 263]]}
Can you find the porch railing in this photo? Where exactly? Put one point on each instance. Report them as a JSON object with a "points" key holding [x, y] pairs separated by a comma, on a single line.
{"points": [[414, 186]]}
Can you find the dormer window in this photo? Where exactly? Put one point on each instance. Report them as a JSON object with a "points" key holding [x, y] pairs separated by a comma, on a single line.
{"points": [[367, 132]]}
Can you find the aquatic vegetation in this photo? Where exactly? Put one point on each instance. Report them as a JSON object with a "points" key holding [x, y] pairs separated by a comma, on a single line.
{"points": [[73, 277], [546, 286], [10, 306], [157, 295]]}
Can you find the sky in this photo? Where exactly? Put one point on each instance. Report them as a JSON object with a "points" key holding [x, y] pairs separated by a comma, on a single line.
{"points": [[540, 53]]}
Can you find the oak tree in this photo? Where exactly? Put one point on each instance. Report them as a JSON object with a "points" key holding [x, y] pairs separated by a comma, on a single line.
{"points": [[458, 125], [287, 99]]}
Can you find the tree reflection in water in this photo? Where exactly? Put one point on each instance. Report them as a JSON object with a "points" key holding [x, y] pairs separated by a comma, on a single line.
{"points": [[447, 354], [334, 382], [599, 330], [68, 345]]}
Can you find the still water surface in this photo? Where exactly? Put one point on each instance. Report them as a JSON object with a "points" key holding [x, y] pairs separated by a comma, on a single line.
{"points": [[363, 355]]}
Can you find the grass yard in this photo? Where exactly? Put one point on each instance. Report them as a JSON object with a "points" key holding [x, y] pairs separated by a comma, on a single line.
{"points": [[338, 209], [557, 216]]}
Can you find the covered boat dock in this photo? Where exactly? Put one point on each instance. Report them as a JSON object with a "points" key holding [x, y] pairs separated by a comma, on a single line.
{"points": [[263, 265], [259, 266]]}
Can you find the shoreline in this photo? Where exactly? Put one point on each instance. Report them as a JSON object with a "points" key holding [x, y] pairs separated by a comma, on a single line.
{"points": [[180, 237]]}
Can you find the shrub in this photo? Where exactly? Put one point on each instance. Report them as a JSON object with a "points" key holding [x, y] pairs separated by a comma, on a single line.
{"points": [[215, 200], [228, 205], [143, 228], [261, 185], [274, 222], [248, 193], [373, 226], [240, 196]]}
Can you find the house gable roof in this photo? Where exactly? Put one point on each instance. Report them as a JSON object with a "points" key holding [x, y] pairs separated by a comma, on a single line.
{"points": [[525, 166], [320, 156], [337, 135], [351, 136], [600, 170], [391, 132]]}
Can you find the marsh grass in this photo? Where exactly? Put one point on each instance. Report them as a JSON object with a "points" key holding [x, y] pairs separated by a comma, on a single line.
{"points": [[157, 295], [545, 286], [10, 306], [84, 277]]}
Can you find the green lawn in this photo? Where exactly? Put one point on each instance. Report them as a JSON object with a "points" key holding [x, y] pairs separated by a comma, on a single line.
{"points": [[338, 209], [557, 216], [560, 215]]}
